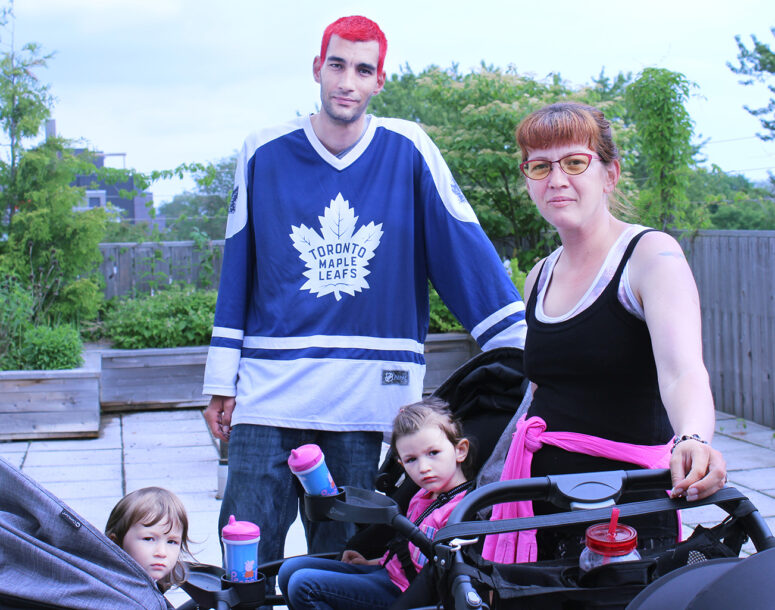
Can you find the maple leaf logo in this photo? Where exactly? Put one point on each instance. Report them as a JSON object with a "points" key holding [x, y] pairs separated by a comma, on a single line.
{"points": [[338, 257]]}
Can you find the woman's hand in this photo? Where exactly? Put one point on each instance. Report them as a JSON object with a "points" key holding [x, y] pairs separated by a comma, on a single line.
{"points": [[354, 557], [697, 470]]}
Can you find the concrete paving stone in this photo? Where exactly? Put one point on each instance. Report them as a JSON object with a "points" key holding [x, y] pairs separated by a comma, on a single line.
{"points": [[109, 438], [765, 439], [721, 416], [164, 416], [709, 514], [69, 474], [174, 470], [14, 459], [177, 486], [763, 502], [743, 429], [201, 503], [72, 457], [97, 514], [178, 426], [725, 443], [756, 478], [750, 456], [80, 490], [14, 447], [168, 439], [155, 455]]}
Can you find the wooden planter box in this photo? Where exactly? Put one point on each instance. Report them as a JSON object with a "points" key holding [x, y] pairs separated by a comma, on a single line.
{"points": [[164, 378], [51, 404]]}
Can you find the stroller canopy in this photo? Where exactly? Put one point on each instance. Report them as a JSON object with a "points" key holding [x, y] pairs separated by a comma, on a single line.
{"points": [[51, 558]]}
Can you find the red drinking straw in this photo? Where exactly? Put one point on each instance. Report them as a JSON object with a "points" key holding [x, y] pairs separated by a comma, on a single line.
{"points": [[614, 521]]}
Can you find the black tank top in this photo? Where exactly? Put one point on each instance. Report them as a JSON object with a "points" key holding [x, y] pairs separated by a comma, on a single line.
{"points": [[596, 375]]}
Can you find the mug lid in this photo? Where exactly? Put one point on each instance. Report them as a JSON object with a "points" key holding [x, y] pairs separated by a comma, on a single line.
{"points": [[240, 530], [305, 457], [601, 541]]}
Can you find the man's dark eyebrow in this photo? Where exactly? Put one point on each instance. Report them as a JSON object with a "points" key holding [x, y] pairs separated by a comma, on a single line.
{"points": [[341, 60]]}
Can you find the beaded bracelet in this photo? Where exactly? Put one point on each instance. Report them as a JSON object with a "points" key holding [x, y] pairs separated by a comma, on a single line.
{"points": [[687, 437]]}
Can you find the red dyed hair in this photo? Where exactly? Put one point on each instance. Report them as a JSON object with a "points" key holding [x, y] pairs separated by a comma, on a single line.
{"points": [[355, 29]]}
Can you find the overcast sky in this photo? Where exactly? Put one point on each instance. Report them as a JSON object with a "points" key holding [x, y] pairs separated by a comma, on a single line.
{"points": [[179, 81]]}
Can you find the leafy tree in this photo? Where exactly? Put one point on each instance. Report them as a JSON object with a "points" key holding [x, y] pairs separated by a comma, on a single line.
{"points": [[656, 104], [191, 215], [758, 63], [731, 201], [472, 118], [24, 105], [52, 247]]}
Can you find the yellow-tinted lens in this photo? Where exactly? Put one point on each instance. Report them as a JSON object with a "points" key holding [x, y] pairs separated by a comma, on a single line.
{"points": [[537, 169], [574, 164]]}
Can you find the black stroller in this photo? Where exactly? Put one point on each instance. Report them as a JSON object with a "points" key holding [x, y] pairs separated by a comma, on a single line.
{"points": [[50, 558], [484, 393]]}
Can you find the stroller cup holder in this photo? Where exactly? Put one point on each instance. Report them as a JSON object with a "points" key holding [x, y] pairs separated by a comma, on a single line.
{"points": [[209, 587], [353, 505]]}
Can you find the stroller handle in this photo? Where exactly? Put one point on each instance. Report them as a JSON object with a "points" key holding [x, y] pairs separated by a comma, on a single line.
{"points": [[575, 491], [564, 491]]}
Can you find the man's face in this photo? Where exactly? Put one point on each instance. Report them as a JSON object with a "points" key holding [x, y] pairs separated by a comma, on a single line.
{"points": [[348, 78]]}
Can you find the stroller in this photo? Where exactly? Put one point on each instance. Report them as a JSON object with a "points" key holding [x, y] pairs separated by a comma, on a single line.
{"points": [[48, 553], [51, 558], [482, 393]]}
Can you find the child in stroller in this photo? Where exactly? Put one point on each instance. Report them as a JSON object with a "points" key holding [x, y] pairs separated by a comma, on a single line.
{"points": [[429, 444], [151, 525]]}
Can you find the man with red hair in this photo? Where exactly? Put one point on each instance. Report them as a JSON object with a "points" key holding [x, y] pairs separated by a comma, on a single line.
{"points": [[337, 221]]}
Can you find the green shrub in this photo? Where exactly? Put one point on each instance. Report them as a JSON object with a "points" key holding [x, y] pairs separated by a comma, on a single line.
{"points": [[176, 317], [16, 312], [441, 318], [51, 348]]}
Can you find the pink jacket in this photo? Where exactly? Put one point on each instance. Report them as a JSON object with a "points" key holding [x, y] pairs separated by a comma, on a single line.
{"points": [[530, 436], [429, 526]]}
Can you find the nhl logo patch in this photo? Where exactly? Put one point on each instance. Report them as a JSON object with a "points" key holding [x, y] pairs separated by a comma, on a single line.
{"points": [[395, 377]]}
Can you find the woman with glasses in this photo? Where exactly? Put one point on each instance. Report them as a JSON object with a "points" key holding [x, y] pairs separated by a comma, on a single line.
{"points": [[613, 346]]}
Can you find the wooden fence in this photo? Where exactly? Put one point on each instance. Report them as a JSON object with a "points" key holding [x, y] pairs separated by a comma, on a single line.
{"points": [[139, 268], [735, 272]]}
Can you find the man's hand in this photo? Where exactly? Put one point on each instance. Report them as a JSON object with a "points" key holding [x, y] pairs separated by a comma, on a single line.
{"points": [[218, 416]]}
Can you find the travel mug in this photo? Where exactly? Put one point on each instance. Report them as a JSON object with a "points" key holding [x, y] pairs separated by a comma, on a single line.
{"points": [[240, 548], [309, 465]]}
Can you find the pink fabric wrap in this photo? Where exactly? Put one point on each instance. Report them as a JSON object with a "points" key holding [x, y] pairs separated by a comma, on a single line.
{"points": [[529, 437]]}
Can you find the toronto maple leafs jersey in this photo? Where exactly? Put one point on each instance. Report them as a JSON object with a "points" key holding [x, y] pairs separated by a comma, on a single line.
{"points": [[323, 308]]}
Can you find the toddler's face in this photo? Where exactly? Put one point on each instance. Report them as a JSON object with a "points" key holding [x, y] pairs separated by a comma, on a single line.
{"points": [[431, 460], [155, 547]]}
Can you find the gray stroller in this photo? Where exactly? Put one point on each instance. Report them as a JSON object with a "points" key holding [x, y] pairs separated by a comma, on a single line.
{"points": [[51, 558]]}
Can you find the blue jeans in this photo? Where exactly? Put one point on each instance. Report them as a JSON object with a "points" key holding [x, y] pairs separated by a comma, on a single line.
{"points": [[260, 487], [312, 583]]}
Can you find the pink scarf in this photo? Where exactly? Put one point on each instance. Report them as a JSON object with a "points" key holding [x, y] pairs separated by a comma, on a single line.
{"points": [[530, 436]]}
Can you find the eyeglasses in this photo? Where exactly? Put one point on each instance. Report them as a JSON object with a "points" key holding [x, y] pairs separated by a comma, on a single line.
{"points": [[573, 165]]}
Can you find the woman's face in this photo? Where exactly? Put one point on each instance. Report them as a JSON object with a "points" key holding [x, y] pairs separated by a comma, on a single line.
{"points": [[567, 201]]}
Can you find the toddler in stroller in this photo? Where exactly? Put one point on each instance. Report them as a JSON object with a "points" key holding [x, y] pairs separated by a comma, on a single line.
{"points": [[429, 444]]}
